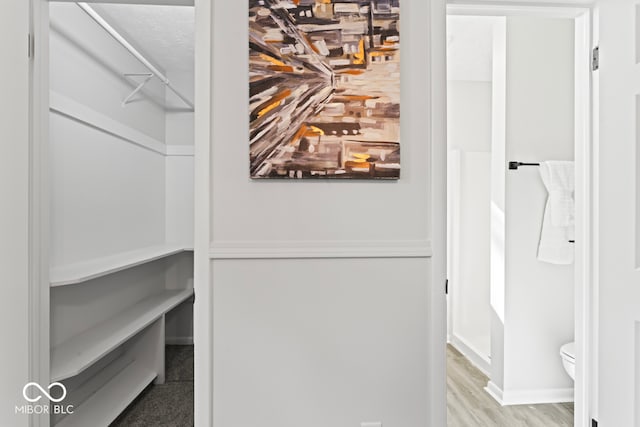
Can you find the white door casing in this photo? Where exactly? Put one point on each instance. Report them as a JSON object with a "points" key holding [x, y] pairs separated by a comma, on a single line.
{"points": [[14, 208], [618, 221]]}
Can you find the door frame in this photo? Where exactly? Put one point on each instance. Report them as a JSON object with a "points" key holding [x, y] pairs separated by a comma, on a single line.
{"points": [[39, 203], [585, 290]]}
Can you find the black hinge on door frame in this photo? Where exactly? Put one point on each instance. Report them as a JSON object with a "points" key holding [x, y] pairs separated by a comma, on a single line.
{"points": [[595, 59], [594, 423], [446, 287]]}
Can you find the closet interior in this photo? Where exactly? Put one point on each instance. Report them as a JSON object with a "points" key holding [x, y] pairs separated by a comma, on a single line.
{"points": [[121, 200]]}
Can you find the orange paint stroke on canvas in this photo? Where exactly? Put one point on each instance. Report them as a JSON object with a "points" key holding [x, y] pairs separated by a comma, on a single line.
{"points": [[360, 56], [274, 102]]}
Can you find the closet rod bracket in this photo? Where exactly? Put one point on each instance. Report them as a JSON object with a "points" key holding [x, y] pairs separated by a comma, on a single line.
{"points": [[147, 76]]}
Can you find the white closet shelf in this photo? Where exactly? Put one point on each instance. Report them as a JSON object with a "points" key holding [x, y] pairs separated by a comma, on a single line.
{"points": [[73, 356], [103, 407], [81, 272]]}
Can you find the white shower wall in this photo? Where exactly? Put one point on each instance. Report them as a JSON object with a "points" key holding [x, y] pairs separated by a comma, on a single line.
{"points": [[469, 113]]}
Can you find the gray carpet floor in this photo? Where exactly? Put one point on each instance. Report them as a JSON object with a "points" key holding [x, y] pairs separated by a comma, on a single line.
{"points": [[169, 404]]}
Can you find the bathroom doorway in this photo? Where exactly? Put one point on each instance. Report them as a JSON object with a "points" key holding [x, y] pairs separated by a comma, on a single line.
{"points": [[518, 91]]}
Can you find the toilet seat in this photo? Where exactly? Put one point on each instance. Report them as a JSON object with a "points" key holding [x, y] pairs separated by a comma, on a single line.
{"points": [[568, 351]]}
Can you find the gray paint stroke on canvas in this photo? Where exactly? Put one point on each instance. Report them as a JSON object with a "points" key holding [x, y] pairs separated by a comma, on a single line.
{"points": [[324, 82]]}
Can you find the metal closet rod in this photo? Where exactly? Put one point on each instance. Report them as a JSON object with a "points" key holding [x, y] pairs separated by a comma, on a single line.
{"points": [[108, 28]]}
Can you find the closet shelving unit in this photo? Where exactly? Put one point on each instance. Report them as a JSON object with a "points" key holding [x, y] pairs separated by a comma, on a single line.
{"points": [[75, 355], [83, 271], [103, 407], [108, 313]]}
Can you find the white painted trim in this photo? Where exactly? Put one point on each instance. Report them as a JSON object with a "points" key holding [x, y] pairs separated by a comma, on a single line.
{"points": [[203, 304], [180, 150], [584, 260], [474, 356], [495, 392], [74, 110], [178, 341], [39, 315], [593, 307], [80, 112], [453, 239], [529, 397], [150, 2], [436, 406], [320, 249], [510, 8]]}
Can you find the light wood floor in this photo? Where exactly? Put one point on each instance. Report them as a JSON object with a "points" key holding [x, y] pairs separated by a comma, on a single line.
{"points": [[469, 405]]}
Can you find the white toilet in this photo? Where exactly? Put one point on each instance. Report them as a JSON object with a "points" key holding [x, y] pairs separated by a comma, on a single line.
{"points": [[568, 354]]}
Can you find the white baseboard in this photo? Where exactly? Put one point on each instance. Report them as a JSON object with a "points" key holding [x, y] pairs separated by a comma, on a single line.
{"points": [[178, 340], [495, 392], [468, 351], [529, 397]]}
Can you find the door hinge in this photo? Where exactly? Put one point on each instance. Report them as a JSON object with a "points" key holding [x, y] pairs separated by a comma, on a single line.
{"points": [[30, 46], [446, 287], [595, 59], [594, 423]]}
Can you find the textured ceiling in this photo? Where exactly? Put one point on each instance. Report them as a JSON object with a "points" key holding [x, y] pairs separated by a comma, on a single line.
{"points": [[470, 48], [164, 34]]}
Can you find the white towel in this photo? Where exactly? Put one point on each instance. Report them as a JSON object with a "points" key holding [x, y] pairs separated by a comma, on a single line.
{"points": [[559, 214]]}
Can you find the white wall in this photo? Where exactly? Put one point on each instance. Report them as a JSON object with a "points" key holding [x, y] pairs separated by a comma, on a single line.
{"points": [[330, 342], [470, 287], [469, 134], [469, 115], [14, 211], [89, 67], [539, 297], [343, 337], [107, 194], [179, 131], [179, 128]]}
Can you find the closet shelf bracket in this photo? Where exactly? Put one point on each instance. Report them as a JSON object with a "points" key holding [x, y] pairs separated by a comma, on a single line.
{"points": [[147, 76]]}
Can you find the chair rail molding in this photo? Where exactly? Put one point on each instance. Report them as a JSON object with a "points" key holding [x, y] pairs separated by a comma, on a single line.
{"points": [[320, 249]]}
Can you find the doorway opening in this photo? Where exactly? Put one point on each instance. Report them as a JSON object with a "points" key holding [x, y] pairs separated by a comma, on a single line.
{"points": [[518, 91], [116, 85]]}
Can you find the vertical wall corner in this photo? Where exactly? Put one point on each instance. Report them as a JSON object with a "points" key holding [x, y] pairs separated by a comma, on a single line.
{"points": [[637, 183], [637, 35]]}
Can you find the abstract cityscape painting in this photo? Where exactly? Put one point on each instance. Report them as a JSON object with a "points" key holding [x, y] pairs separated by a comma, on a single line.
{"points": [[324, 88]]}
